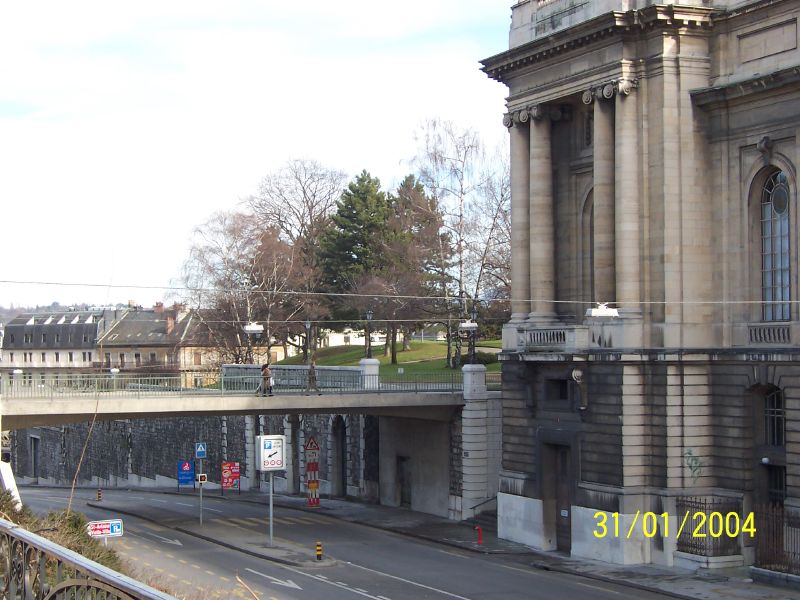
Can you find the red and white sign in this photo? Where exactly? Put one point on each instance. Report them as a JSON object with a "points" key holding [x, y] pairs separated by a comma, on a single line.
{"points": [[104, 529], [312, 471], [230, 475]]}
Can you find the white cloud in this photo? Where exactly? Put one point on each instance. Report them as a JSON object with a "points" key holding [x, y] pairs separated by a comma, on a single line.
{"points": [[125, 125]]}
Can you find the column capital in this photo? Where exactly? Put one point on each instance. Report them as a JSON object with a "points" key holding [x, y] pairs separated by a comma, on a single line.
{"points": [[606, 91], [626, 86]]}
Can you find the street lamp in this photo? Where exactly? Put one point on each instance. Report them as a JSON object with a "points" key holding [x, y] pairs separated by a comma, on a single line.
{"points": [[471, 328], [308, 341], [369, 334], [253, 331]]}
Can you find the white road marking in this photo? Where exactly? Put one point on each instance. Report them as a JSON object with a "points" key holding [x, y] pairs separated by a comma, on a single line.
{"points": [[422, 585], [322, 579], [213, 509], [184, 504], [157, 500], [287, 583], [174, 542]]}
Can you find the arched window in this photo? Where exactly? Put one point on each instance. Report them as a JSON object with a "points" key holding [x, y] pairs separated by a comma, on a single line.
{"points": [[775, 266]]}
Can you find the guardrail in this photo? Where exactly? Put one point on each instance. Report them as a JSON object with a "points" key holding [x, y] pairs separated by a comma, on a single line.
{"points": [[216, 383], [33, 567]]}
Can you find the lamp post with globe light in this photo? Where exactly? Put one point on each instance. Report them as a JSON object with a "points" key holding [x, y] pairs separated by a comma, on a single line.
{"points": [[308, 341], [368, 340]]}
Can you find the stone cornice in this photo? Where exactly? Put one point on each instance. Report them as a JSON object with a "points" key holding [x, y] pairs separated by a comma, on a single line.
{"points": [[613, 24], [740, 89]]}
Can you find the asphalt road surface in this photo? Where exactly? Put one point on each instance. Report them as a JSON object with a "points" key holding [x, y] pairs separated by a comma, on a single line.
{"points": [[369, 563]]}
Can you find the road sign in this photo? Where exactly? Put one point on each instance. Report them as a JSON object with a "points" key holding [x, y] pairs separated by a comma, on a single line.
{"points": [[230, 475], [202, 478], [311, 444], [105, 529], [200, 450], [185, 472], [271, 452]]}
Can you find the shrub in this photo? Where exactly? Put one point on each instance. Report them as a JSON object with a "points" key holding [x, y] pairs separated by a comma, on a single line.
{"points": [[485, 358]]}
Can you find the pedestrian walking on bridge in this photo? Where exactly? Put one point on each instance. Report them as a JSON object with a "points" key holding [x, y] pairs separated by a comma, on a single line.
{"points": [[312, 377], [266, 379]]}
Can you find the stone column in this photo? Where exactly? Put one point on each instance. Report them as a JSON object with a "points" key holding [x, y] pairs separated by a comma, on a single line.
{"points": [[627, 205], [474, 441], [542, 242], [519, 132], [603, 193]]}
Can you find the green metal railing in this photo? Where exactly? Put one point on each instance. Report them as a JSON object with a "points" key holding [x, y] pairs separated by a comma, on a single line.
{"points": [[329, 380]]}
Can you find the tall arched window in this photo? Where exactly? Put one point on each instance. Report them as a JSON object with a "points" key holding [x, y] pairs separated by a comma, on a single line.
{"points": [[775, 269]]}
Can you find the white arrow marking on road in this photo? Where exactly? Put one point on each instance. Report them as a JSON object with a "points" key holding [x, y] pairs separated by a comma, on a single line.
{"points": [[287, 583], [165, 540]]}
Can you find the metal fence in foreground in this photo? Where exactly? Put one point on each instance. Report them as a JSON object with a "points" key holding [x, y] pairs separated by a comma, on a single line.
{"points": [[34, 568]]}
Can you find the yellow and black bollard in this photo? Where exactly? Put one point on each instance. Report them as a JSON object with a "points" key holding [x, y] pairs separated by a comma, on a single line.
{"points": [[319, 550], [99, 494]]}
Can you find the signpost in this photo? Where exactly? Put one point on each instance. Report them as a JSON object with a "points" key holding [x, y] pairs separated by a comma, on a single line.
{"points": [[271, 457], [230, 479], [200, 454], [312, 471], [104, 529]]}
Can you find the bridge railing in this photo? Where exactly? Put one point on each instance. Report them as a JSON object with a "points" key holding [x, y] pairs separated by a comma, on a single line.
{"points": [[33, 567], [238, 382]]}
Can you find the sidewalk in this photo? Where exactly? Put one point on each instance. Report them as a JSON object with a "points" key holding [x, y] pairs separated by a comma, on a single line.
{"points": [[733, 584]]}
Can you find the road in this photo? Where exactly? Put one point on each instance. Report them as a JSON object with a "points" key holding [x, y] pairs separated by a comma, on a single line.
{"points": [[369, 563]]}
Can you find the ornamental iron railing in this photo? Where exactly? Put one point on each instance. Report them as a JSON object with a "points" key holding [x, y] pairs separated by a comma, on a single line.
{"points": [[699, 536], [777, 538], [34, 568]]}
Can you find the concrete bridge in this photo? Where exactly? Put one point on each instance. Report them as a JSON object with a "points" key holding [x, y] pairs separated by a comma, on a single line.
{"points": [[36, 399]]}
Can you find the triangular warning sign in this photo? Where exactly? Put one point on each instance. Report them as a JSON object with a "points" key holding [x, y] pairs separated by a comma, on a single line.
{"points": [[312, 444]]}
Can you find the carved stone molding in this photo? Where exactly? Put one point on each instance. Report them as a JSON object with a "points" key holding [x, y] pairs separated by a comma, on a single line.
{"points": [[537, 112], [765, 146], [587, 97], [626, 86]]}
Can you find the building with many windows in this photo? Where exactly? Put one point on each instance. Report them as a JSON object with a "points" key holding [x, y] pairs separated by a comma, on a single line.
{"points": [[654, 153], [53, 342]]}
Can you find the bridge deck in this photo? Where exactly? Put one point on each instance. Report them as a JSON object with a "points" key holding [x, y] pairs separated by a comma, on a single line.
{"points": [[77, 398]]}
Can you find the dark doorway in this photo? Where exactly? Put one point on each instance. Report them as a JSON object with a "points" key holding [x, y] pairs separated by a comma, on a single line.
{"points": [[404, 480], [34, 454], [339, 474], [563, 499]]}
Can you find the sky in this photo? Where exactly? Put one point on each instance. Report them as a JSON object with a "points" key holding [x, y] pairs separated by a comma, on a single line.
{"points": [[124, 126]]}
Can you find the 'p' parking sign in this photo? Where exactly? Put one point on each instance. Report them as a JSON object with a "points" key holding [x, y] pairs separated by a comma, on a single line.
{"points": [[271, 452]]}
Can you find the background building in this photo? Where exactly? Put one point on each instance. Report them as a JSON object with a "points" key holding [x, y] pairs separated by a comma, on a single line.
{"points": [[654, 154]]}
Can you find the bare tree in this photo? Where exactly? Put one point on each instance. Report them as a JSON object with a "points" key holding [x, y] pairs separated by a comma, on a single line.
{"points": [[237, 273], [298, 200]]}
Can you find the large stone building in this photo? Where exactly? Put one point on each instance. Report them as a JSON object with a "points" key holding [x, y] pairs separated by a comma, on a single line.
{"points": [[654, 151]]}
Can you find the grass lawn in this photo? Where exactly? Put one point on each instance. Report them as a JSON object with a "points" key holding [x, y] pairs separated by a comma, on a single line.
{"points": [[490, 344], [423, 357]]}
